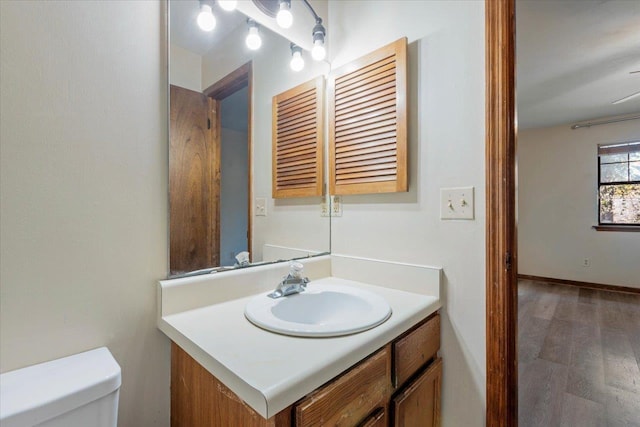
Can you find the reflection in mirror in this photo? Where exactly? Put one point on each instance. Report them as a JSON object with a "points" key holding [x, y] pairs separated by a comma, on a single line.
{"points": [[222, 214]]}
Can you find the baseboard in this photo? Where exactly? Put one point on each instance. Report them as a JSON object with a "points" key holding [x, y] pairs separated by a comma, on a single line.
{"points": [[589, 285]]}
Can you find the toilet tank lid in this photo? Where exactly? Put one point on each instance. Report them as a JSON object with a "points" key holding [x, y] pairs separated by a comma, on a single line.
{"points": [[40, 392]]}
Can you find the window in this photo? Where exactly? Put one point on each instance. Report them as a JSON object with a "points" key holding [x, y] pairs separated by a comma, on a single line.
{"points": [[619, 183]]}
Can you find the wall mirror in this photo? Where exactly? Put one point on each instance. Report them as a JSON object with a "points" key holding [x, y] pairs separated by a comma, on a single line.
{"points": [[220, 150]]}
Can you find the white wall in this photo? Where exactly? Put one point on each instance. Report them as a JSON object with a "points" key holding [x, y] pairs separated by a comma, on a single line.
{"points": [[289, 222], [446, 148], [558, 205], [83, 185], [185, 68]]}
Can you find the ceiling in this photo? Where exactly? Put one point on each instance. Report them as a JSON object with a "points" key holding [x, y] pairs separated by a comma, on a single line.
{"points": [[183, 15], [574, 58]]}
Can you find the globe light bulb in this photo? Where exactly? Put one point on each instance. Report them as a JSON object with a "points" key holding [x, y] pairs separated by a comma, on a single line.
{"points": [[206, 20], [228, 5], [318, 52], [253, 39], [297, 63], [284, 18]]}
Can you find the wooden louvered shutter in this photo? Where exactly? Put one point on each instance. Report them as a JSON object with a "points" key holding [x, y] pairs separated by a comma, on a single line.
{"points": [[368, 123], [298, 134]]}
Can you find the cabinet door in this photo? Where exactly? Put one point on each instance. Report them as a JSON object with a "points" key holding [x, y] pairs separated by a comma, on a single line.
{"points": [[368, 123], [415, 349], [418, 405], [298, 137]]}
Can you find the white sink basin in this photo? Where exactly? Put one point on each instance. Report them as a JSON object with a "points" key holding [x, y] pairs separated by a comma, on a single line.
{"points": [[320, 311]]}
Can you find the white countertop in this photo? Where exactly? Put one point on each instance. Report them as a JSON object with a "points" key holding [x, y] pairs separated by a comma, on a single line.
{"points": [[271, 371]]}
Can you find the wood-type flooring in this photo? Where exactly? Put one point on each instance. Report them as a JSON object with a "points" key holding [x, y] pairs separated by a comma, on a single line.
{"points": [[578, 355]]}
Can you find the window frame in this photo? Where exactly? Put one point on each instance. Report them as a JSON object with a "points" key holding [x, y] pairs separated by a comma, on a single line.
{"points": [[614, 226]]}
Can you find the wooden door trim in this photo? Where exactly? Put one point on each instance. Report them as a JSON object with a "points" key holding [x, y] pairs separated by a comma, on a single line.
{"points": [[501, 262], [229, 84]]}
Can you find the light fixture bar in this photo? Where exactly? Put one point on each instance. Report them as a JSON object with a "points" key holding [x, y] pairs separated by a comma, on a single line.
{"points": [[603, 122], [626, 98]]}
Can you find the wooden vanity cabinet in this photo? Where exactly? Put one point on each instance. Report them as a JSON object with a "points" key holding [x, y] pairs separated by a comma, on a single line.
{"points": [[398, 385]]}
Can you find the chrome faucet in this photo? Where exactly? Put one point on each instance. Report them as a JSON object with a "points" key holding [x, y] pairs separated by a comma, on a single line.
{"points": [[292, 283]]}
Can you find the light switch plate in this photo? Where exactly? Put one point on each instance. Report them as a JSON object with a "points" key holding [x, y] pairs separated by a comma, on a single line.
{"points": [[456, 203], [261, 206]]}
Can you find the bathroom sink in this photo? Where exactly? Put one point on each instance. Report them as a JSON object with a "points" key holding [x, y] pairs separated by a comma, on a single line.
{"points": [[323, 310]]}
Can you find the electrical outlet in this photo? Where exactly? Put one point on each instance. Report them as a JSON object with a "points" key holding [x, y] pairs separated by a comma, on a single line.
{"points": [[456, 203], [261, 206], [324, 206], [336, 206], [586, 262]]}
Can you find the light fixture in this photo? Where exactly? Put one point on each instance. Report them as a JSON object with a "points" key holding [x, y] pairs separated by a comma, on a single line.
{"points": [[297, 62], [228, 5], [253, 39], [206, 20], [318, 52], [626, 98], [284, 18]]}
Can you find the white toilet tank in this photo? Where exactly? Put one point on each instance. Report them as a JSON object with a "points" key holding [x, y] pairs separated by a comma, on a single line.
{"points": [[76, 391]]}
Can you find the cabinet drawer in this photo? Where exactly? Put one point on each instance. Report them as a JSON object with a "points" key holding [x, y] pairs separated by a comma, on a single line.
{"points": [[347, 400], [418, 404], [415, 349]]}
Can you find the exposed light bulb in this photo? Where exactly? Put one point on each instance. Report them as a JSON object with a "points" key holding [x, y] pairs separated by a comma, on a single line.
{"points": [[297, 63], [318, 52], [206, 20], [284, 18], [253, 39], [228, 5]]}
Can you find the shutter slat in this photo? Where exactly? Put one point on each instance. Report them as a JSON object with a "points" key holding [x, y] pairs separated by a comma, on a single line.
{"points": [[379, 82], [309, 147], [299, 98], [368, 94], [369, 167], [385, 144], [367, 162], [297, 130], [368, 174], [371, 179], [302, 124], [379, 63], [306, 154], [378, 73], [375, 111], [371, 153], [295, 136], [297, 142], [358, 108], [368, 121], [374, 129], [284, 119]]}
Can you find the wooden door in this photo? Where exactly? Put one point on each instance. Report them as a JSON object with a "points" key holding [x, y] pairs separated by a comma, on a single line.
{"points": [[418, 405], [194, 182]]}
